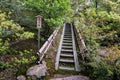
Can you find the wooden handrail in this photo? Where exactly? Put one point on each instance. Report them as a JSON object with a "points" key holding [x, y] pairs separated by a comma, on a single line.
{"points": [[80, 40], [47, 44], [81, 43]]}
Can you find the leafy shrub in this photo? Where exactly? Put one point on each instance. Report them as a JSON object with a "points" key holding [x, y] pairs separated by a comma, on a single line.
{"points": [[3, 46], [107, 68], [24, 61], [101, 71], [11, 33], [26, 57], [4, 65]]}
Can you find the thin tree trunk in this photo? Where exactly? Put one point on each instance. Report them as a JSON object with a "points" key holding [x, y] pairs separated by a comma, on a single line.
{"points": [[96, 5]]}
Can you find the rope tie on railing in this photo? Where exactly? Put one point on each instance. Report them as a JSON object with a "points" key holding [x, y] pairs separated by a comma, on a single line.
{"points": [[53, 40], [38, 58]]}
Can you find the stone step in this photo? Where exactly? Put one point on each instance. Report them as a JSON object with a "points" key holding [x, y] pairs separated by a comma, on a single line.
{"points": [[69, 41], [67, 35], [67, 47], [66, 68], [67, 44], [66, 55], [66, 61], [66, 50], [66, 64], [68, 32], [67, 38]]}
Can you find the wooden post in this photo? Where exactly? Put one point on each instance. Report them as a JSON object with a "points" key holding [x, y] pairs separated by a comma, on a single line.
{"points": [[38, 38], [39, 23]]}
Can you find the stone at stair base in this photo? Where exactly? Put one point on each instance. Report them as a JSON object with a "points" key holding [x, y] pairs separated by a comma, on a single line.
{"points": [[75, 77], [21, 77], [37, 71]]}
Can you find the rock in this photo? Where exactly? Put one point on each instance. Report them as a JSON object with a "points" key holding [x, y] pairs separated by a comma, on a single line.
{"points": [[21, 77], [37, 71], [76, 77]]}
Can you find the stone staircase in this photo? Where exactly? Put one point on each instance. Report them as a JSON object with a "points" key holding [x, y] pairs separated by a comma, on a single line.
{"points": [[66, 58]]}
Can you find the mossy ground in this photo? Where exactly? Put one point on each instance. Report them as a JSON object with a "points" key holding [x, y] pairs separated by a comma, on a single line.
{"points": [[51, 55]]}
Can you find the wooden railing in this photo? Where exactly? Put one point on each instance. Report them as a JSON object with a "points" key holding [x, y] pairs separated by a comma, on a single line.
{"points": [[81, 43], [47, 45]]}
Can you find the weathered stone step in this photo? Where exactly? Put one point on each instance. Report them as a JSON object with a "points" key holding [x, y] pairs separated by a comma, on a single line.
{"points": [[66, 61], [66, 68], [66, 64], [67, 35], [66, 55], [67, 47], [68, 29], [67, 44], [68, 32], [67, 38], [66, 50], [68, 41]]}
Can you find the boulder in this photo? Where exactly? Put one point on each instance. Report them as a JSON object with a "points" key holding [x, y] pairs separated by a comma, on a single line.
{"points": [[37, 71], [75, 77], [21, 77]]}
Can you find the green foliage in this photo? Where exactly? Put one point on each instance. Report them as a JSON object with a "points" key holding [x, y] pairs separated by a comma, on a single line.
{"points": [[12, 51], [99, 25], [21, 70], [107, 68], [24, 12], [104, 70], [24, 61], [3, 46], [11, 33], [25, 58], [110, 5], [101, 71], [4, 65], [52, 11]]}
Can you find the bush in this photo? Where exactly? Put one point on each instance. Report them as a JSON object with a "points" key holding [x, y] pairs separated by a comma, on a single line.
{"points": [[4, 65], [11, 33], [101, 72]]}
